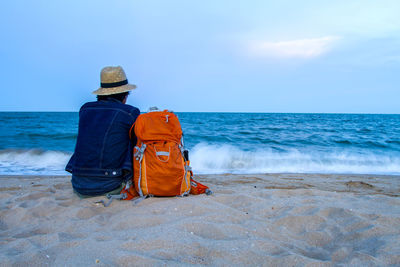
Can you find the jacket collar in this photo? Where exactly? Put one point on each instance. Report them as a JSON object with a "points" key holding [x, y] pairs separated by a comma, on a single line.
{"points": [[112, 100]]}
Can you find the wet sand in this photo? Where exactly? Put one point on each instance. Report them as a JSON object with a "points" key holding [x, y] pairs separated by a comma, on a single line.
{"points": [[266, 219]]}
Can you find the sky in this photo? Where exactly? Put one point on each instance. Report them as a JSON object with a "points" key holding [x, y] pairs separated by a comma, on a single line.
{"points": [[308, 56]]}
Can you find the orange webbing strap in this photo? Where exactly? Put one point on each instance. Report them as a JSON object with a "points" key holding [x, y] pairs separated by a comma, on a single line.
{"points": [[197, 188], [132, 129], [129, 192]]}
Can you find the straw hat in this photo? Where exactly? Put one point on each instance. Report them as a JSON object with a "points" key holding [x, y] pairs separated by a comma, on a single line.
{"points": [[113, 81]]}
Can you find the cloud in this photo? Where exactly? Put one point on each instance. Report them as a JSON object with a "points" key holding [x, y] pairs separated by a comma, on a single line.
{"points": [[301, 48]]}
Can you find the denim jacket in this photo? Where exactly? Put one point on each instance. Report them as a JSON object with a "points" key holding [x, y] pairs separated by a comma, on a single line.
{"points": [[103, 153]]}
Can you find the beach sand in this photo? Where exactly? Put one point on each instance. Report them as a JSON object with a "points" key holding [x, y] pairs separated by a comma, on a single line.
{"points": [[266, 219]]}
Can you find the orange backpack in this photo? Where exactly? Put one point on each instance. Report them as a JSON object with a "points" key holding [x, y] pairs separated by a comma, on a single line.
{"points": [[159, 165]]}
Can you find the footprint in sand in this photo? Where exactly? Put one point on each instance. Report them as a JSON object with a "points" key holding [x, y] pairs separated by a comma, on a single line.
{"points": [[66, 203], [34, 196], [64, 186], [216, 231], [32, 232], [67, 237], [239, 202], [87, 213], [25, 204], [299, 224], [132, 221]]}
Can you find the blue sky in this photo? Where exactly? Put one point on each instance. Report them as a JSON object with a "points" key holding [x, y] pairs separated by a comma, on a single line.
{"points": [[234, 56]]}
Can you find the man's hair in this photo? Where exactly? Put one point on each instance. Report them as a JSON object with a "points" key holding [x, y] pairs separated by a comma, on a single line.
{"points": [[120, 97]]}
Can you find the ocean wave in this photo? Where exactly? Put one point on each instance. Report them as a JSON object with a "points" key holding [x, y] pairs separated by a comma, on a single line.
{"points": [[33, 161], [211, 159], [214, 159]]}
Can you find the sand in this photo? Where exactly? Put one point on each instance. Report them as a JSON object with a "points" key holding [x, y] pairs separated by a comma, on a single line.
{"points": [[257, 220]]}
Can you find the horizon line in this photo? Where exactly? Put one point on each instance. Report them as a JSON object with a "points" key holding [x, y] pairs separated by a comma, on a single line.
{"points": [[253, 112]]}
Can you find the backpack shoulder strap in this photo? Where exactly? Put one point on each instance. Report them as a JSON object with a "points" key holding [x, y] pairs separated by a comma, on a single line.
{"points": [[132, 135]]}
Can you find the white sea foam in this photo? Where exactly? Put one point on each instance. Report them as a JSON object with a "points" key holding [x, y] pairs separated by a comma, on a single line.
{"points": [[212, 159], [13, 162]]}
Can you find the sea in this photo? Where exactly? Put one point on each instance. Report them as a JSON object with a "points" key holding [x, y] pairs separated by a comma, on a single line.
{"points": [[41, 143]]}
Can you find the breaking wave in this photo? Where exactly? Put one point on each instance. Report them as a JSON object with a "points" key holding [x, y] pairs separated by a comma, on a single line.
{"points": [[211, 159], [214, 159], [33, 162]]}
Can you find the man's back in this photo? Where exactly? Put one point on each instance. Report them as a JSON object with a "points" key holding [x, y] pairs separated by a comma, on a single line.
{"points": [[103, 153]]}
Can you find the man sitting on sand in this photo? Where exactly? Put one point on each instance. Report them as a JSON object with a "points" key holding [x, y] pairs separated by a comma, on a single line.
{"points": [[102, 160]]}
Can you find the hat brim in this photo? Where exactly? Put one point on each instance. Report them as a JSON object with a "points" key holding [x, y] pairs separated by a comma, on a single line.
{"points": [[115, 90]]}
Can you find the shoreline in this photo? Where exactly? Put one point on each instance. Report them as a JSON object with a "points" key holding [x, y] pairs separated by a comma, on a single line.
{"points": [[251, 219], [360, 183], [228, 173]]}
